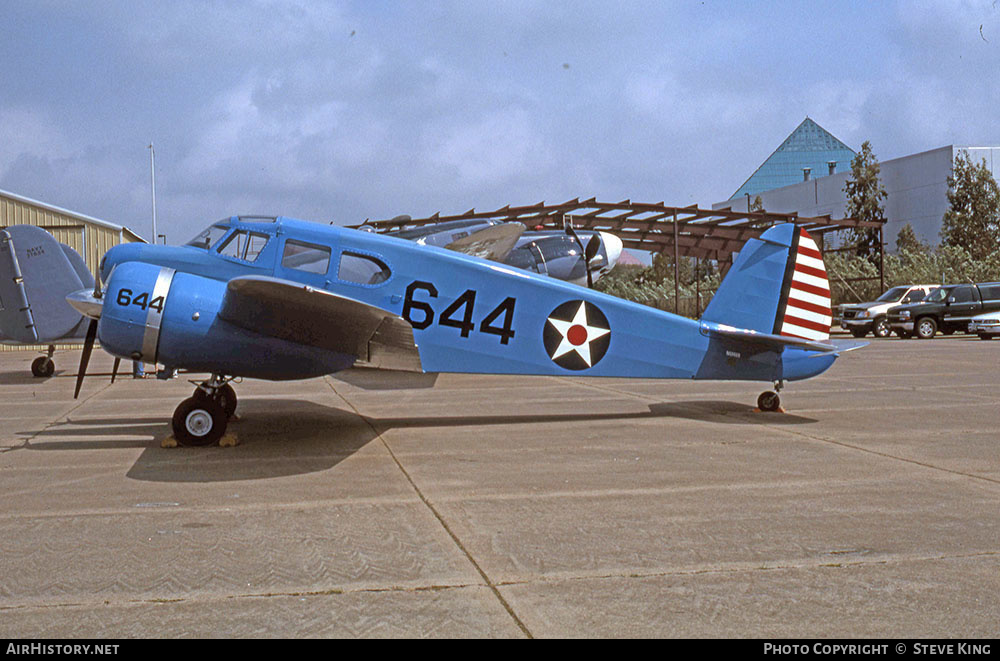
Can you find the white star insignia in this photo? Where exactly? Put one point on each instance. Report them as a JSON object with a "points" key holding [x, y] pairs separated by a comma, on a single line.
{"points": [[577, 335]]}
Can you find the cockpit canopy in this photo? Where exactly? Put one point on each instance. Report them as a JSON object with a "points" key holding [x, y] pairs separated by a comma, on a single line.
{"points": [[209, 238]]}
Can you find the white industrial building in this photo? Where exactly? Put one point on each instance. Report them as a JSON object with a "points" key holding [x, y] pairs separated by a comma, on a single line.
{"points": [[916, 188]]}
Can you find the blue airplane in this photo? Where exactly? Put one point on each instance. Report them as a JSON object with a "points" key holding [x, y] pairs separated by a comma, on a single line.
{"points": [[36, 274], [280, 299]]}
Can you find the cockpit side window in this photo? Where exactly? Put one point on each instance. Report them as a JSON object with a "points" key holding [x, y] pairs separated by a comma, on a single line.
{"points": [[244, 245], [362, 269], [306, 257], [208, 237]]}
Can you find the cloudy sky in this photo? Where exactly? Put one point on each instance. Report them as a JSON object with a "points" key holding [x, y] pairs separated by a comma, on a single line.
{"points": [[341, 111]]}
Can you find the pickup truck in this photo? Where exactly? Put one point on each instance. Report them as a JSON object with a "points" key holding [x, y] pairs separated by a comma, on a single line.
{"points": [[859, 319], [948, 309]]}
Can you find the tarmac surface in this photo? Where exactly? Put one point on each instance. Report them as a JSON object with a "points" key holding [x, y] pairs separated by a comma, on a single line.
{"points": [[510, 507]]}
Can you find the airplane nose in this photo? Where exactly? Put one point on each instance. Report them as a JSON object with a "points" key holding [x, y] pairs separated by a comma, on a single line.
{"points": [[613, 246], [86, 303]]}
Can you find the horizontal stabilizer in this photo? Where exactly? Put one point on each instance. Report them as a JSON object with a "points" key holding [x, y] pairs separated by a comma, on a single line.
{"points": [[314, 317], [493, 243], [769, 340], [848, 345]]}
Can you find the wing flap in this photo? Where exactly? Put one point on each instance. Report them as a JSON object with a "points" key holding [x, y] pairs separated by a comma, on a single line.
{"points": [[305, 315]]}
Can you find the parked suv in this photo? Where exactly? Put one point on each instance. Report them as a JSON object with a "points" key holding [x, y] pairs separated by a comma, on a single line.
{"points": [[949, 308], [861, 318]]}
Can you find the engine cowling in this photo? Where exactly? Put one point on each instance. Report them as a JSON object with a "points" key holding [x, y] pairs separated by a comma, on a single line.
{"points": [[158, 315]]}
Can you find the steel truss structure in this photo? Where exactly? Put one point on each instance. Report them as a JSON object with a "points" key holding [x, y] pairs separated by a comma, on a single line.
{"points": [[655, 227]]}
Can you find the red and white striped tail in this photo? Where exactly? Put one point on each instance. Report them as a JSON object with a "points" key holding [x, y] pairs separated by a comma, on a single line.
{"points": [[807, 311]]}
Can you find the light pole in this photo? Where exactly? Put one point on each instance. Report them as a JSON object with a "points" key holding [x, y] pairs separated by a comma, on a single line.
{"points": [[152, 185]]}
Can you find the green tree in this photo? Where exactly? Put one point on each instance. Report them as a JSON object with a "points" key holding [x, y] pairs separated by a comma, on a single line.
{"points": [[973, 219], [907, 240], [864, 201]]}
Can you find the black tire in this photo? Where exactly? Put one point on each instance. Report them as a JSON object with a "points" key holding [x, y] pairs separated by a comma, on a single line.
{"points": [[985, 336], [769, 401], [858, 332], [43, 367], [925, 328], [226, 398], [881, 327], [199, 421]]}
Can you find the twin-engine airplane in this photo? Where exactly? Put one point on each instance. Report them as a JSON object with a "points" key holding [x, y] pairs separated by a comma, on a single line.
{"points": [[36, 271], [557, 254], [276, 298]]}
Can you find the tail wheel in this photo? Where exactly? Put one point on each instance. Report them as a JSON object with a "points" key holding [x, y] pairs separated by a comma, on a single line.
{"points": [[881, 327], [43, 367], [199, 421], [226, 396], [769, 401], [925, 328]]}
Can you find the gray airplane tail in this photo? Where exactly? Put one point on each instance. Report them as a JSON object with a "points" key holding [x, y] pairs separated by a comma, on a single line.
{"points": [[36, 274]]}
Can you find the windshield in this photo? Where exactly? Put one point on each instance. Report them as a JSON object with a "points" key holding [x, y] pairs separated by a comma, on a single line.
{"points": [[893, 294], [937, 295], [209, 237]]}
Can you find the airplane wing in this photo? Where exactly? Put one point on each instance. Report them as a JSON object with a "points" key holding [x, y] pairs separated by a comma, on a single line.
{"points": [[314, 317], [493, 243]]}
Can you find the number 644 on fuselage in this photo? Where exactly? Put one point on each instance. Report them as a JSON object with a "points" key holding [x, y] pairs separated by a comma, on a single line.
{"points": [[277, 298]]}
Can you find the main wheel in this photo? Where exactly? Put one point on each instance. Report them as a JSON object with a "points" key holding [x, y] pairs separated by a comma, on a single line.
{"points": [[199, 421], [769, 401], [43, 367], [881, 327], [226, 397], [925, 328]]}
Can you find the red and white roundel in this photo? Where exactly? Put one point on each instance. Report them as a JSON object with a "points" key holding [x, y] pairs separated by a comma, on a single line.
{"points": [[576, 335]]}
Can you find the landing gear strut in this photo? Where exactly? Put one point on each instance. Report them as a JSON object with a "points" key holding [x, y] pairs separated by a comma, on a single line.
{"points": [[202, 418], [769, 400], [43, 367]]}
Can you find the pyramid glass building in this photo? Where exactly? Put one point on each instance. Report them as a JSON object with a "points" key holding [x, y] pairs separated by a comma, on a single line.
{"points": [[809, 146]]}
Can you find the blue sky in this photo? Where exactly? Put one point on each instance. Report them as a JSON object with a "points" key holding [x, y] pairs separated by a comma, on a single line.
{"points": [[341, 111]]}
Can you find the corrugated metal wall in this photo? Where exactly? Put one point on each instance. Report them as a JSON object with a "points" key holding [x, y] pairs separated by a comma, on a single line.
{"points": [[88, 238]]}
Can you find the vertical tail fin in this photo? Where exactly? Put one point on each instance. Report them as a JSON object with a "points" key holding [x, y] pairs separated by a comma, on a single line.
{"points": [[35, 277], [778, 285]]}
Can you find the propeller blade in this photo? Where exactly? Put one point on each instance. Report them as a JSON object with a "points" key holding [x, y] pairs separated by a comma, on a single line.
{"points": [[114, 369], [88, 346], [588, 254], [592, 247]]}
